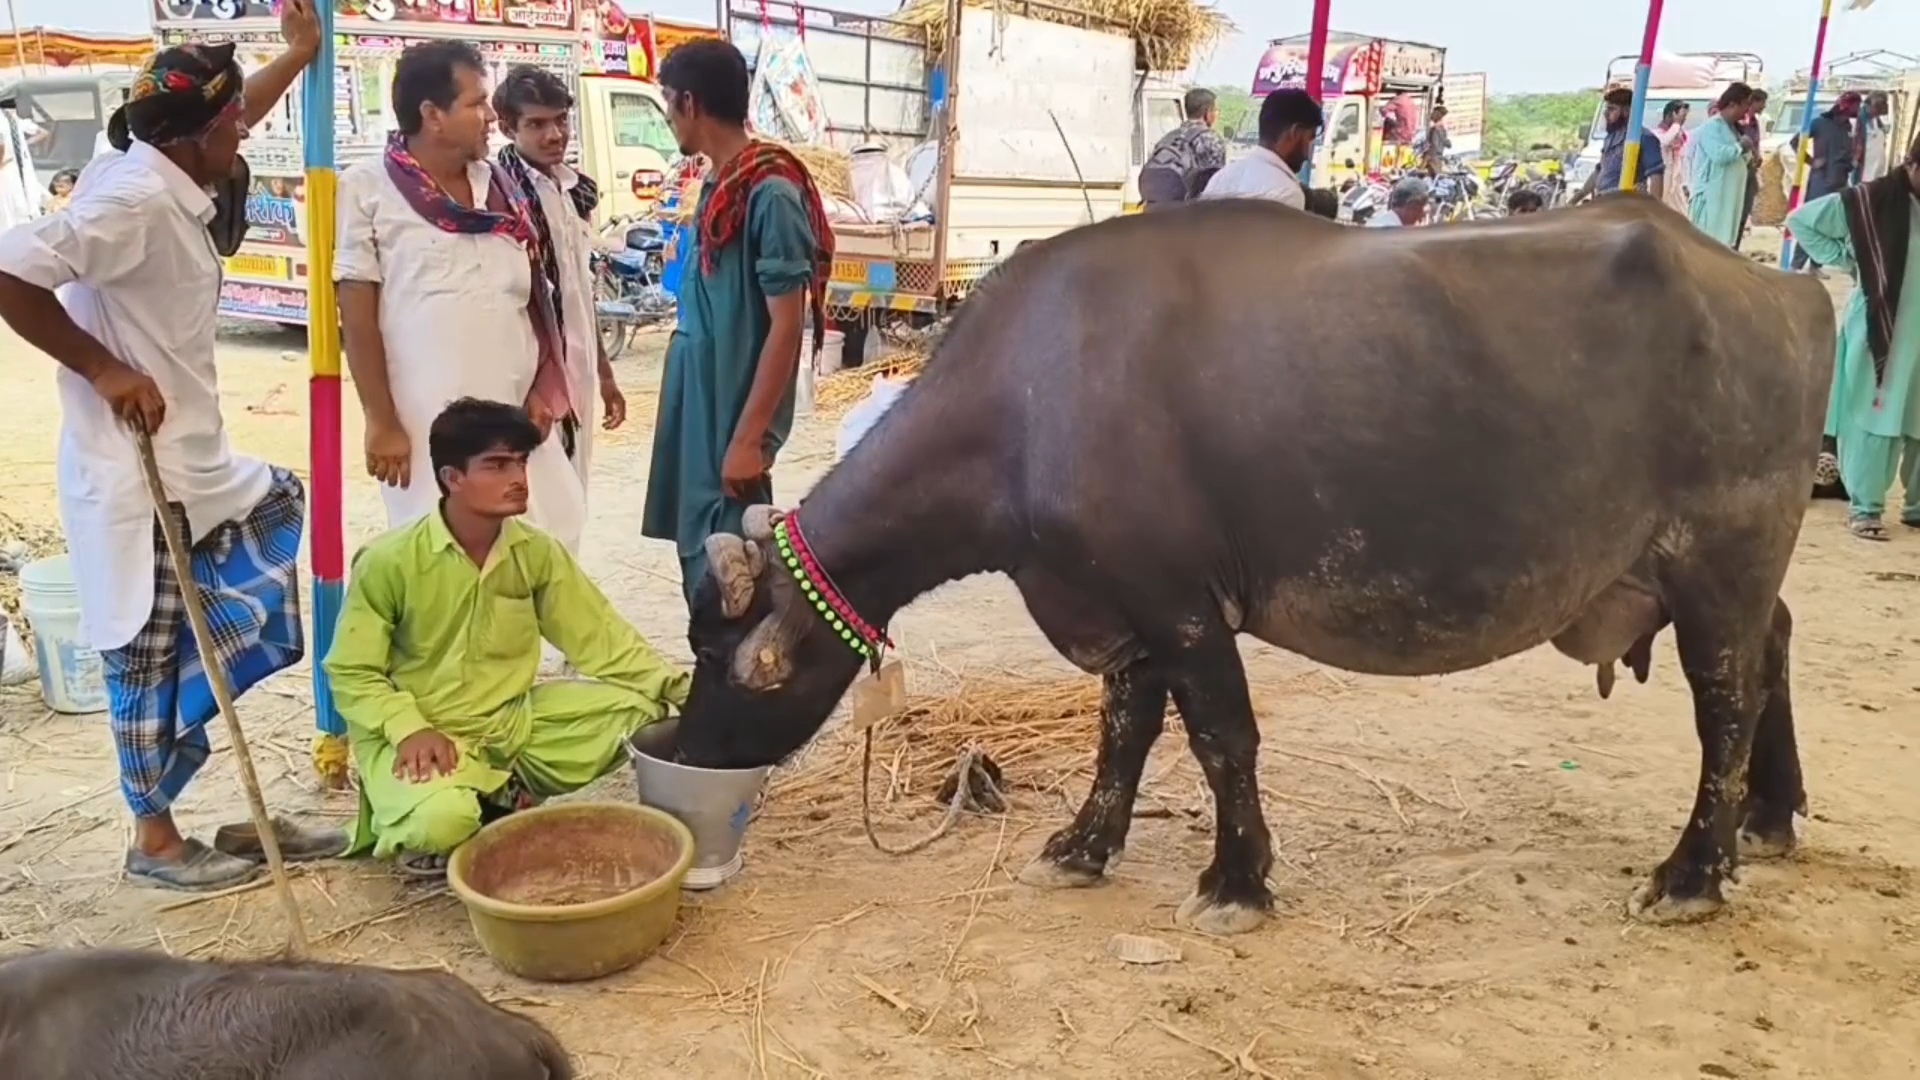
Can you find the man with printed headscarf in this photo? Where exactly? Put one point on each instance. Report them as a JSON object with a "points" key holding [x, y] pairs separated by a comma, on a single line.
{"points": [[136, 259]]}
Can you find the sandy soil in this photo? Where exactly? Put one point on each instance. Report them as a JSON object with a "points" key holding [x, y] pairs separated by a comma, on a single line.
{"points": [[1456, 854]]}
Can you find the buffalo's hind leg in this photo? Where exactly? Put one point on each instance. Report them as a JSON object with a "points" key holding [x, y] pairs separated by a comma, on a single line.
{"points": [[1132, 715], [1775, 790], [1727, 649], [1209, 684]]}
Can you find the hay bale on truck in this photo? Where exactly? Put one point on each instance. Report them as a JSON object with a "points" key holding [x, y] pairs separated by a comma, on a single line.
{"points": [[1001, 174]]}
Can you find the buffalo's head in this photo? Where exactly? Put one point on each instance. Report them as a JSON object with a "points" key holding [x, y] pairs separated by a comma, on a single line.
{"points": [[767, 668]]}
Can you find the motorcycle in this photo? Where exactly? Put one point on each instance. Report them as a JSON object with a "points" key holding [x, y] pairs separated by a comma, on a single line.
{"points": [[1455, 193], [1361, 199], [628, 293]]}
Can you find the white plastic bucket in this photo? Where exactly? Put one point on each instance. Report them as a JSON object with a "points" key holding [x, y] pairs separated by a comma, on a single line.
{"points": [[71, 680]]}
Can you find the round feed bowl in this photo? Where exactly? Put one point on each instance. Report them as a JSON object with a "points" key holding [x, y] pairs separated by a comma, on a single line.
{"points": [[573, 891]]}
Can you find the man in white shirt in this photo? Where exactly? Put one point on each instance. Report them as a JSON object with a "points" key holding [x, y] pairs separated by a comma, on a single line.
{"points": [[133, 329], [535, 111], [1290, 122], [439, 296], [1879, 130], [1406, 204]]}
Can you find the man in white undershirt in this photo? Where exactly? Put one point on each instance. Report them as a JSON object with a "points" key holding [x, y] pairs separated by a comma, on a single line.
{"points": [[1406, 204], [1290, 122]]}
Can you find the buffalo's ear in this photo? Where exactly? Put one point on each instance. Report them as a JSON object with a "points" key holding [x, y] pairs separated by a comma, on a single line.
{"points": [[758, 522]]}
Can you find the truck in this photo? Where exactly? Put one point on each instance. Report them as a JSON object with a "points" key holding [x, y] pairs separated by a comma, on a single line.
{"points": [[266, 280], [1011, 127], [625, 141], [1895, 74], [1377, 94], [1695, 78]]}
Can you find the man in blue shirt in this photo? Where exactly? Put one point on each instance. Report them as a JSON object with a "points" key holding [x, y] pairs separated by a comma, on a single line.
{"points": [[1613, 152]]}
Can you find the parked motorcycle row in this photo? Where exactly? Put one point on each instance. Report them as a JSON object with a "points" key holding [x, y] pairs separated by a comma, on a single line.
{"points": [[1460, 193]]}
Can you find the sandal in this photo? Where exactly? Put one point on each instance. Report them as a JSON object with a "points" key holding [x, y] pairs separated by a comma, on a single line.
{"points": [[199, 868], [421, 866], [1868, 528]]}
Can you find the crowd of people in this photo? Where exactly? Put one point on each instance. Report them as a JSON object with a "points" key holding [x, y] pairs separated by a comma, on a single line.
{"points": [[466, 307]]}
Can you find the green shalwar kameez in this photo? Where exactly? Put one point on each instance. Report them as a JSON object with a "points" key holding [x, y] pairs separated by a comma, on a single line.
{"points": [[711, 362], [1718, 174], [1874, 422], [428, 640]]}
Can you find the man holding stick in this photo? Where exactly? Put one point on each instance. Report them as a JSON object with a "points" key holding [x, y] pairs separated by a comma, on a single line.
{"points": [[133, 330]]}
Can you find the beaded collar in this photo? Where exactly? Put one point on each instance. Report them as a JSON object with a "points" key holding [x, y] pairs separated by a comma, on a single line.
{"points": [[861, 636]]}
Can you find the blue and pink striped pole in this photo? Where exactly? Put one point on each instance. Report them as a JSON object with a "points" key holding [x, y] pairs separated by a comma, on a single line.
{"points": [[1642, 74], [1805, 156], [325, 474]]}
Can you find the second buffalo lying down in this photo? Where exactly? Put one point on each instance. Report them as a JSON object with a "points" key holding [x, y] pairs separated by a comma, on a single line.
{"points": [[1579, 427]]}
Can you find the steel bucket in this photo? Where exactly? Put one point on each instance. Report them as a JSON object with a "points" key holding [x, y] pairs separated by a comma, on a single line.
{"points": [[714, 804]]}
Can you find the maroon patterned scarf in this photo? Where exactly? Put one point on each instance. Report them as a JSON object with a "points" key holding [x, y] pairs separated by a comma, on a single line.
{"points": [[505, 214]]}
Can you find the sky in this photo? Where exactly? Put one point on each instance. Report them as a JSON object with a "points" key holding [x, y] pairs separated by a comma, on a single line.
{"points": [[1523, 47]]}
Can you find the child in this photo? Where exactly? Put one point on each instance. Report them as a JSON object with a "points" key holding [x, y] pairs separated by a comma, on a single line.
{"points": [[61, 188]]}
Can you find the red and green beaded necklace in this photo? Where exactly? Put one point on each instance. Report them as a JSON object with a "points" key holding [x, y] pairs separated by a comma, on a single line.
{"points": [[861, 636]]}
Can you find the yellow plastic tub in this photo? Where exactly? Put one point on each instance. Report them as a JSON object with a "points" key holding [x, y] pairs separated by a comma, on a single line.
{"points": [[573, 891]]}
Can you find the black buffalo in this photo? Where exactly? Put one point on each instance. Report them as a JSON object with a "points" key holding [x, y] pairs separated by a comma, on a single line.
{"points": [[121, 1015], [1398, 452]]}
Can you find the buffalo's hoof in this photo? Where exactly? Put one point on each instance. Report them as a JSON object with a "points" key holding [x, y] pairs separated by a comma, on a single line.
{"points": [[1758, 844], [1209, 916], [1651, 904], [1046, 873]]}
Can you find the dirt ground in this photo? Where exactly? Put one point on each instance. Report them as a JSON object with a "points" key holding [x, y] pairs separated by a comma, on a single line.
{"points": [[1456, 853]]}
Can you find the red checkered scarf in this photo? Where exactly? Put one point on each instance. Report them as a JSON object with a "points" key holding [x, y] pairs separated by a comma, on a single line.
{"points": [[725, 216]]}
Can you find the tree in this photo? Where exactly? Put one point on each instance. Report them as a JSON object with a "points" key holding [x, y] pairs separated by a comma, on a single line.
{"points": [[1237, 113], [1518, 122]]}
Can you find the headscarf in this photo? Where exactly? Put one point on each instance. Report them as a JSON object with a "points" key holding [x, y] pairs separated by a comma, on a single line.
{"points": [[179, 93]]}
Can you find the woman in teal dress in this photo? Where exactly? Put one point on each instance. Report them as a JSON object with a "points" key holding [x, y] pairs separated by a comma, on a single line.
{"points": [[1718, 168], [1872, 232]]}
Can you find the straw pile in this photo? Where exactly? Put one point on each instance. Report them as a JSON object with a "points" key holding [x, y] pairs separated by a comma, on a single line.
{"points": [[1041, 734], [21, 542], [842, 390], [1167, 34], [831, 169]]}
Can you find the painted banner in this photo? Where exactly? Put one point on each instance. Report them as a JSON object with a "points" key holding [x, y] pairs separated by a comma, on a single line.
{"points": [[439, 11], [222, 10], [537, 14], [271, 302], [1404, 64], [277, 211], [1466, 99], [1285, 67]]}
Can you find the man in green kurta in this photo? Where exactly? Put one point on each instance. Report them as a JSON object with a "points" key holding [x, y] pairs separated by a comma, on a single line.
{"points": [[434, 659], [760, 243], [1719, 159], [1873, 232]]}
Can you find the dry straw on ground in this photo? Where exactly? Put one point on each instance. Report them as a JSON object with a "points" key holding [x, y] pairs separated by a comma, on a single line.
{"points": [[1168, 35]]}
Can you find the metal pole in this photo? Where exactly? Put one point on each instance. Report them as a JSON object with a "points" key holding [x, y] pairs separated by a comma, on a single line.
{"points": [[323, 348], [1636, 123], [947, 118], [19, 42], [1316, 69], [1805, 154]]}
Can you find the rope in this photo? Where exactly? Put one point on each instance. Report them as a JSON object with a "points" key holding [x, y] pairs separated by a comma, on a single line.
{"points": [[971, 767]]}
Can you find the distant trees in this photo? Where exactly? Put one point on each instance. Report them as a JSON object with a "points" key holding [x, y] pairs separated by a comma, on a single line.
{"points": [[1518, 122]]}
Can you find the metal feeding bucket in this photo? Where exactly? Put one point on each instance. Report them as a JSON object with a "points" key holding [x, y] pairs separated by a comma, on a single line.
{"points": [[713, 803]]}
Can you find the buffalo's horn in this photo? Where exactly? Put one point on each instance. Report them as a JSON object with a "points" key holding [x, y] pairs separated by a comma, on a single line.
{"points": [[732, 569], [759, 521], [756, 557], [764, 659]]}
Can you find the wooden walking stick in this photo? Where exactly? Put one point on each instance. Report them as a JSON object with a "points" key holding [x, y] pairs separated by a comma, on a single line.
{"points": [[179, 549]]}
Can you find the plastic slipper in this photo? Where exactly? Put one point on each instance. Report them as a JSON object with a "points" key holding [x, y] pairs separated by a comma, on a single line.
{"points": [[1867, 528]]}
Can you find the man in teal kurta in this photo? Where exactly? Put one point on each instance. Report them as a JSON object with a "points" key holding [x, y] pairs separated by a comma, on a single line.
{"points": [[758, 242], [1719, 160], [1873, 232], [434, 660]]}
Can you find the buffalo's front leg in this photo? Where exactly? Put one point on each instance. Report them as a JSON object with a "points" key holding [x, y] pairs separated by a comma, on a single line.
{"points": [[1726, 664], [1132, 715], [1210, 686]]}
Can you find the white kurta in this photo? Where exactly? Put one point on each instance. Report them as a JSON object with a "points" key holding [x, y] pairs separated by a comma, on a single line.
{"points": [[453, 316], [22, 198], [573, 244], [1261, 174], [136, 268]]}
